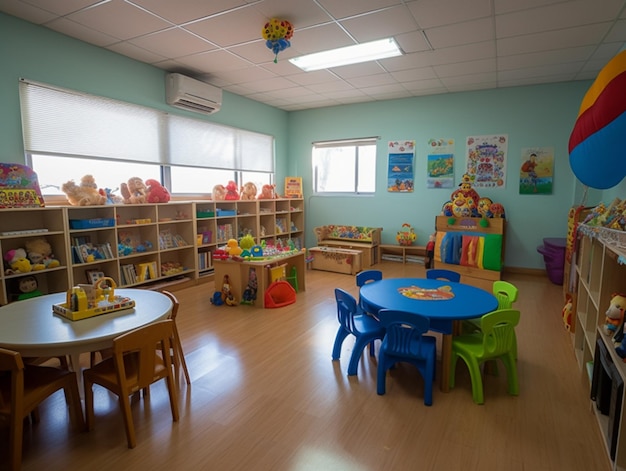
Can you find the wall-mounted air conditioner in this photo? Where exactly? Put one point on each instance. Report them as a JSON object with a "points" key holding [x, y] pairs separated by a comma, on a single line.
{"points": [[191, 94]]}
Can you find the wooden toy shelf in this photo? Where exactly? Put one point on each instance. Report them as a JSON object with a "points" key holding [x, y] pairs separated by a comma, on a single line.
{"points": [[405, 253]]}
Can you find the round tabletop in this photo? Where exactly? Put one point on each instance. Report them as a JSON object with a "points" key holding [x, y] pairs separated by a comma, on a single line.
{"points": [[467, 302], [31, 328]]}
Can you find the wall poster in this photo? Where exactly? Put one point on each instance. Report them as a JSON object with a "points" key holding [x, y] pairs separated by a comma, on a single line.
{"points": [[536, 171], [400, 177], [440, 163], [486, 160]]}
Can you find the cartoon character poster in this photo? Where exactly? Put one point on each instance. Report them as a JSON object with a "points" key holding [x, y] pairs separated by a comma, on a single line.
{"points": [[440, 163], [400, 175], [536, 171], [486, 160]]}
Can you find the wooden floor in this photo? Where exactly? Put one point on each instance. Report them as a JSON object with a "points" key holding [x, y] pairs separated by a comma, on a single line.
{"points": [[265, 395]]}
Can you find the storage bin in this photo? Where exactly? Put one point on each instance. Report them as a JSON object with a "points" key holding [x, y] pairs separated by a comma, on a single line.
{"points": [[226, 212], [205, 214], [91, 223], [553, 251]]}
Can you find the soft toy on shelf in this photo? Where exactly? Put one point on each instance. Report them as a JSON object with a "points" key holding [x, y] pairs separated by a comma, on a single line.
{"points": [[17, 261], [231, 191], [268, 192], [219, 193], [85, 194], [134, 191], [28, 287], [614, 314], [156, 193], [39, 252], [430, 251], [248, 191]]}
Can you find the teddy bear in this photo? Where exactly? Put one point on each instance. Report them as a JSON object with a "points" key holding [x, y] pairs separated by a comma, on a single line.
{"points": [[614, 314], [156, 193], [267, 192], [17, 261], [248, 191], [85, 194], [39, 252], [219, 193], [134, 192], [231, 191]]}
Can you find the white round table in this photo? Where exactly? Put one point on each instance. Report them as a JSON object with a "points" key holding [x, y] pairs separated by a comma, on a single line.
{"points": [[31, 328]]}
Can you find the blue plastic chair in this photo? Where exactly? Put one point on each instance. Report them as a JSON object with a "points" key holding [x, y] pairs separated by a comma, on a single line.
{"points": [[364, 277], [442, 274], [405, 342], [352, 321]]}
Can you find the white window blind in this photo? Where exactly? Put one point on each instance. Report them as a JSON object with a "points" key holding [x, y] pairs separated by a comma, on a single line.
{"points": [[62, 122], [67, 123]]}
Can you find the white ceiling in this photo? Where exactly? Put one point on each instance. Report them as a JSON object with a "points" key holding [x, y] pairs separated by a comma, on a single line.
{"points": [[450, 45]]}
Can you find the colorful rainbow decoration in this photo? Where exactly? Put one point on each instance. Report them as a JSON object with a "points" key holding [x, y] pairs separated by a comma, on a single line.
{"points": [[597, 145]]}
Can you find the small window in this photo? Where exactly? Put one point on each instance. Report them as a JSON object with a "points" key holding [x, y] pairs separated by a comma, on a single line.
{"points": [[347, 166]]}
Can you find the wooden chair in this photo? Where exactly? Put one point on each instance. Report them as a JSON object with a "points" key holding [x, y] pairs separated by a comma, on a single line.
{"points": [[24, 388], [140, 357], [178, 355]]}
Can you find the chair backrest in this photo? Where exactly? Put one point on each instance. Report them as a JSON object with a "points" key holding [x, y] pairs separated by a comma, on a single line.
{"points": [[404, 329], [498, 328], [442, 274], [175, 303], [368, 275], [278, 273], [346, 309], [12, 362], [505, 293], [136, 351]]}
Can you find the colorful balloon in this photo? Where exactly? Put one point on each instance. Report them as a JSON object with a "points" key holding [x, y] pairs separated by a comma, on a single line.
{"points": [[597, 151], [277, 34]]}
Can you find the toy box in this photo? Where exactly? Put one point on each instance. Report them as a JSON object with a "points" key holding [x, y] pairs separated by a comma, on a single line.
{"points": [[337, 260]]}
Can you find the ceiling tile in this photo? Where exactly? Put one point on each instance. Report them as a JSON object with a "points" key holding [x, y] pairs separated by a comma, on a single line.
{"points": [[135, 52], [431, 13], [465, 68], [518, 61], [26, 12], [182, 11], [84, 33], [62, 7], [461, 33], [174, 42], [300, 13], [412, 42], [320, 38], [343, 9], [234, 27], [215, 61], [382, 24]]}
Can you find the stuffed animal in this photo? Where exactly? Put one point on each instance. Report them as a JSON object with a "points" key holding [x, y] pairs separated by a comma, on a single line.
{"points": [[231, 191], [134, 192], [17, 261], [85, 194], [39, 252], [267, 192], [28, 288], [430, 252], [156, 193], [248, 191], [614, 314], [219, 193]]}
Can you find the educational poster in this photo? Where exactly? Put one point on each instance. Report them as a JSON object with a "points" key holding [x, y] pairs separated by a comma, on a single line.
{"points": [[486, 160], [400, 175], [440, 163], [536, 171]]}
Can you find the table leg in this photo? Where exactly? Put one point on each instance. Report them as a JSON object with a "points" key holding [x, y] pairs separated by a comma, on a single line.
{"points": [[446, 353]]}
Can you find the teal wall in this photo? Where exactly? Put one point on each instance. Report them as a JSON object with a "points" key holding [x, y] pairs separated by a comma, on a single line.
{"points": [[531, 116]]}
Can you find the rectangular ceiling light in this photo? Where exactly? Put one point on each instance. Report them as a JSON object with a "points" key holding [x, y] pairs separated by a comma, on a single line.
{"points": [[365, 52]]}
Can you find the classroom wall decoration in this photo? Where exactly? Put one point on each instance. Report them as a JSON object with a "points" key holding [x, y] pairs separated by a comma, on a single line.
{"points": [[486, 160], [440, 163], [536, 171], [400, 177]]}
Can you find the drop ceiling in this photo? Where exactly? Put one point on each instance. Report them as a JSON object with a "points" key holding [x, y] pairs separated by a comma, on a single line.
{"points": [[450, 45]]}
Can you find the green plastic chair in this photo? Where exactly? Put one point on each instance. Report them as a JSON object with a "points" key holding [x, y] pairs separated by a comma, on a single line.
{"points": [[496, 340], [505, 293], [293, 278]]}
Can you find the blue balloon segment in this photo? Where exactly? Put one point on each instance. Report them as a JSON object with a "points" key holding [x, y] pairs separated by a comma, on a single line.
{"points": [[600, 160]]}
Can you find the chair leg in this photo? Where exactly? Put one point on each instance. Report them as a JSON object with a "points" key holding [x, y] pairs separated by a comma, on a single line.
{"points": [[381, 375], [339, 338], [511, 373], [72, 397], [477, 380], [15, 441], [178, 349], [171, 387], [89, 414], [128, 420], [357, 352]]}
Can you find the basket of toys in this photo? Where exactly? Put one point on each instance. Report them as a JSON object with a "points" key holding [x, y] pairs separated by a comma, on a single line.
{"points": [[406, 236], [85, 301]]}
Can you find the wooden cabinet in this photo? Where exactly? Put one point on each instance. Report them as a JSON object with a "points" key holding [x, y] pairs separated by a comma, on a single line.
{"points": [[601, 272], [139, 244]]}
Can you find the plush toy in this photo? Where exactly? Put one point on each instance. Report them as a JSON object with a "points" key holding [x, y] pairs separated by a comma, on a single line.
{"points": [[430, 252], [233, 249], [614, 314], [39, 252], [28, 288], [110, 197], [267, 192], [17, 261], [248, 191], [134, 192], [156, 193], [85, 194], [231, 191], [219, 193]]}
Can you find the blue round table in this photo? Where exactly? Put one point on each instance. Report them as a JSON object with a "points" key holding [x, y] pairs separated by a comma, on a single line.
{"points": [[467, 302]]}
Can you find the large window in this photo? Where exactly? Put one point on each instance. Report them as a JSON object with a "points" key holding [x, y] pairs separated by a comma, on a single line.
{"points": [[69, 134], [347, 166]]}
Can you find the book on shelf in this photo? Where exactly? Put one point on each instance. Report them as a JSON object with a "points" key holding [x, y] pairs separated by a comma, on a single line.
{"points": [[88, 252], [204, 260], [224, 232], [129, 275], [147, 271]]}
